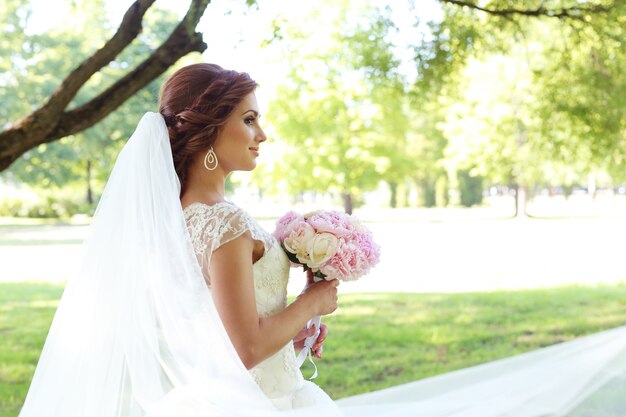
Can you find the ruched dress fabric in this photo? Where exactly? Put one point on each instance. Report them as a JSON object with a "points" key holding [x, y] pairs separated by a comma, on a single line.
{"points": [[211, 226]]}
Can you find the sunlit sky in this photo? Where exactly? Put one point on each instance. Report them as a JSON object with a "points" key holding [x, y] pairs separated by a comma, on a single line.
{"points": [[234, 31]]}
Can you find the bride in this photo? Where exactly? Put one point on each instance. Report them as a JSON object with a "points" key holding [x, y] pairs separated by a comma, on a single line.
{"points": [[180, 306]]}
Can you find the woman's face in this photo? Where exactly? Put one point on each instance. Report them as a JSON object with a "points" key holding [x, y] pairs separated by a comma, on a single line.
{"points": [[237, 144]]}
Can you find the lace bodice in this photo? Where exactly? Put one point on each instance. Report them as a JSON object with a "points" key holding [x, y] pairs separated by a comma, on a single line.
{"points": [[212, 226]]}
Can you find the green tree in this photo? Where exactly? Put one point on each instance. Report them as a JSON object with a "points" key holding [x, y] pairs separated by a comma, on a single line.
{"points": [[342, 109], [582, 97], [62, 113], [83, 159], [552, 99]]}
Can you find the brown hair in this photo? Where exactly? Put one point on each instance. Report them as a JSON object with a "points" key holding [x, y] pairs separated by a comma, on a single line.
{"points": [[195, 103]]}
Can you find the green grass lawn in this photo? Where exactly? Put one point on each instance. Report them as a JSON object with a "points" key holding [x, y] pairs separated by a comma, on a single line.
{"points": [[375, 340]]}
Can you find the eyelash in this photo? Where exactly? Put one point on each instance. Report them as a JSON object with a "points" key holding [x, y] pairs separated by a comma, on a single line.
{"points": [[250, 120]]}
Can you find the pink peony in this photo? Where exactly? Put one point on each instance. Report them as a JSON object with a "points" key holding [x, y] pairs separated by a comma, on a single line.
{"points": [[283, 224], [368, 247], [347, 264], [332, 222]]}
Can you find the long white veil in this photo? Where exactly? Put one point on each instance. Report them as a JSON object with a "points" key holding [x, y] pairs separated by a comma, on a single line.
{"points": [[137, 334], [582, 378]]}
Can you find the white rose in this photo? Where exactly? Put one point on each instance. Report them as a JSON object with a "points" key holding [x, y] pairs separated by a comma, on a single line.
{"points": [[298, 241], [321, 248]]}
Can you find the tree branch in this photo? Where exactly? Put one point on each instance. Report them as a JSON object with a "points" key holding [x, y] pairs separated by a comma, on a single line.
{"points": [[128, 30], [574, 12], [181, 42], [52, 121], [58, 101]]}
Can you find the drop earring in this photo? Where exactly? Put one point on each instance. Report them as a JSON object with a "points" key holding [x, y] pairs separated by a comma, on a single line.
{"points": [[210, 160]]}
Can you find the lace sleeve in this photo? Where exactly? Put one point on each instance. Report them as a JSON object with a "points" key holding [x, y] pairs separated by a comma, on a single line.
{"points": [[213, 226], [234, 223]]}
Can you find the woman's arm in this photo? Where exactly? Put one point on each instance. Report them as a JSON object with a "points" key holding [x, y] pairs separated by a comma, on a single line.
{"points": [[256, 338]]}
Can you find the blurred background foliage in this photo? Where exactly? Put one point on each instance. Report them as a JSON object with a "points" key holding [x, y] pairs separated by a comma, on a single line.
{"points": [[464, 102]]}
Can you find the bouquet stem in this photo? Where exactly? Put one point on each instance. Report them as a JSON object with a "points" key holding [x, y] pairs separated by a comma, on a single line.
{"points": [[307, 350]]}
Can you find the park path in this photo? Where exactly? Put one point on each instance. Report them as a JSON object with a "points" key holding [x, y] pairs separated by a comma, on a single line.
{"points": [[417, 255]]}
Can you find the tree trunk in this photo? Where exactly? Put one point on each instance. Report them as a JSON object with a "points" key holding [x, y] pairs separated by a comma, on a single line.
{"points": [[592, 188], [393, 199], [429, 194], [442, 198], [347, 202], [89, 190], [521, 198], [407, 195]]}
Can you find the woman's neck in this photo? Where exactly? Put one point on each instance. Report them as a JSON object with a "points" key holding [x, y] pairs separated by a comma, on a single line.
{"points": [[208, 188]]}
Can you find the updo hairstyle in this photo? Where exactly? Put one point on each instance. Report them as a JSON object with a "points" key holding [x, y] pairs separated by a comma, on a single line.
{"points": [[195, 102]]}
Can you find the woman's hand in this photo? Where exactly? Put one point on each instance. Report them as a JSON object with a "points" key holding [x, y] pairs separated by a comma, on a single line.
{"points": [[325, 302], [298, 341], [321, 297]]}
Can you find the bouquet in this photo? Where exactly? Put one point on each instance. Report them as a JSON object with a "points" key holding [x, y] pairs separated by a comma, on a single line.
{"points": [[332, 245]]}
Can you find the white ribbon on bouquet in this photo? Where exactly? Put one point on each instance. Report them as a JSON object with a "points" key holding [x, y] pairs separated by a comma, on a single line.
{"points": [[307, 350]]}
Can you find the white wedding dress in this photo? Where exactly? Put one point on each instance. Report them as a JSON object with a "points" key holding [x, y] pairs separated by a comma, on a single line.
{"points": [[212, 226], [136, 333]]}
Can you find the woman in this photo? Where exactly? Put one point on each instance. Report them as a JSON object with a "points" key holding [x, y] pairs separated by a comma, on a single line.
{"points": [[179, 308], [213, 122]]}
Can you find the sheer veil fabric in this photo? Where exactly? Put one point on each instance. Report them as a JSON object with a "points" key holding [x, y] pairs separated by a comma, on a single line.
{"points": [[136, 332]]}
